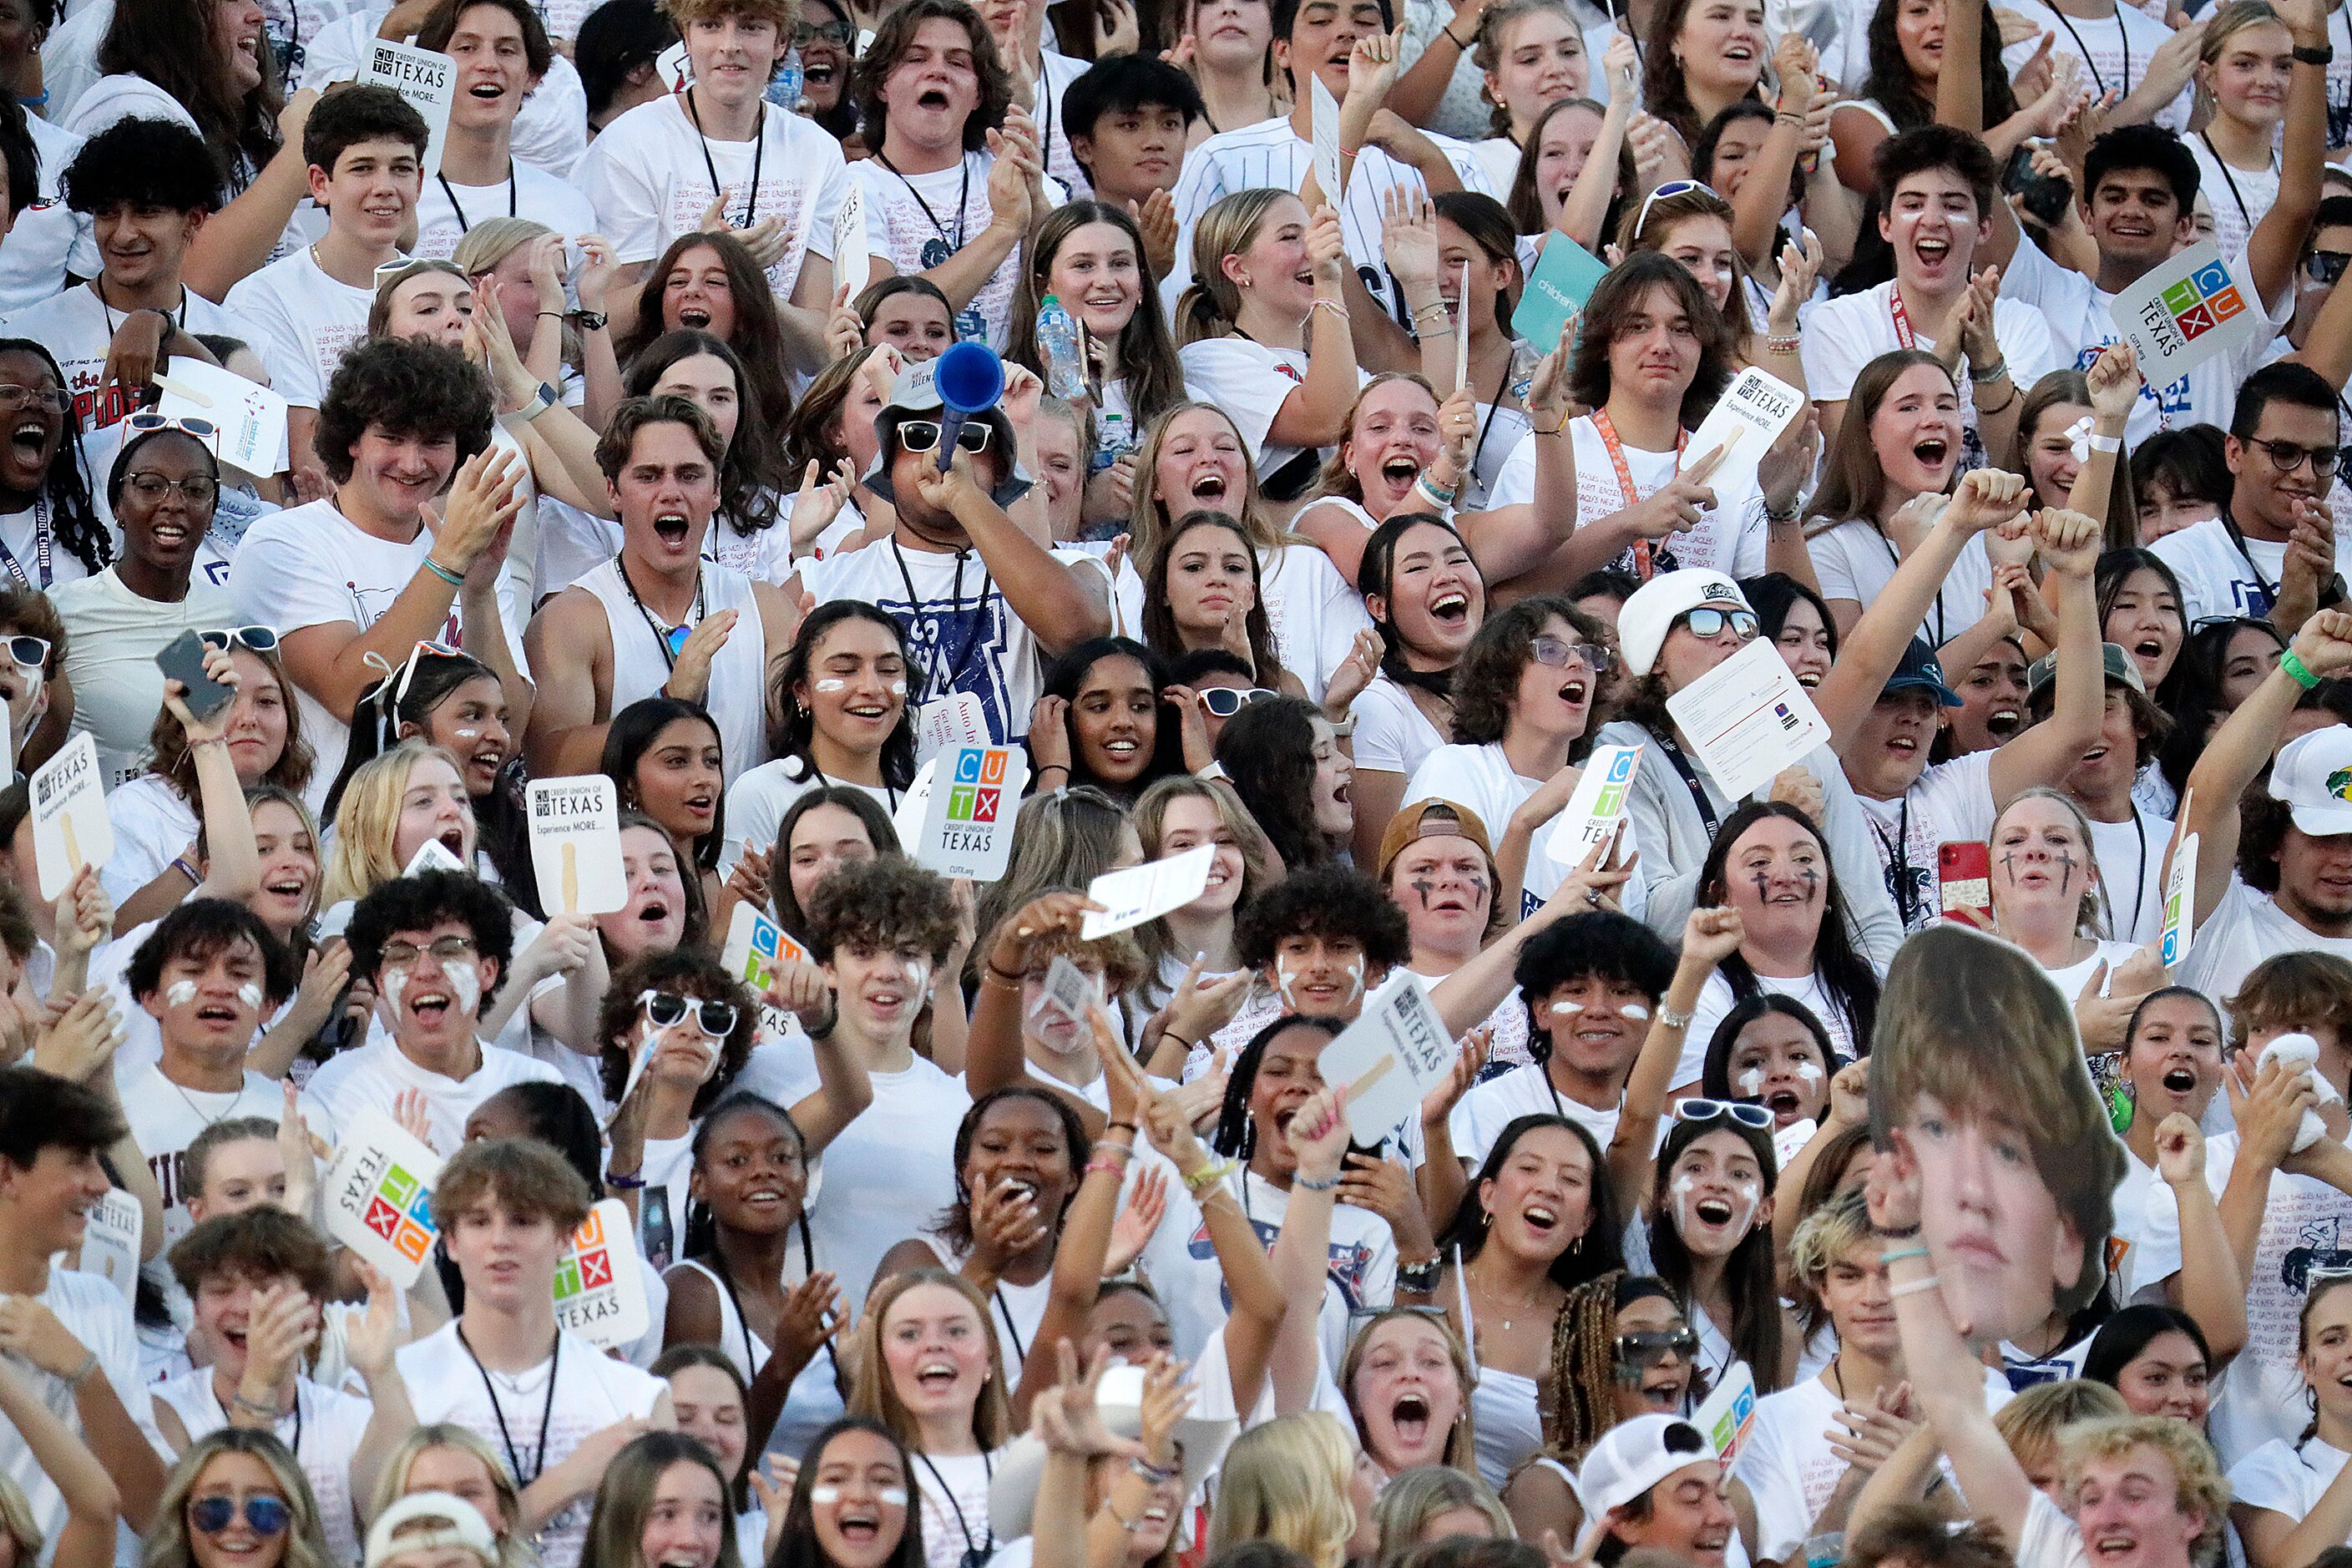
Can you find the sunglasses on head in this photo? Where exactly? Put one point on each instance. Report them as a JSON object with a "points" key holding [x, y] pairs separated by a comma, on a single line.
{"points": [[1670, 189], [1696, 1110], [253, 639], [1224, 701], [715, 1018], [1647, 1347], [2326, 265], [1708, 622], [923, 435], [150, 419], [264, 1515], [29, 652]]}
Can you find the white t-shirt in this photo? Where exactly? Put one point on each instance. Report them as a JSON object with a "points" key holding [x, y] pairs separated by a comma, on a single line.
{"points": [[2245, 928], [370, 1076], [77, 326], [1362, 1269], [757, 802], [1854, 561], [1393, 735], [1951, 802], [2218, 578], [651, 176], [1249, 381], [445, 210], [1492, 1105], [2131, 863], [954, 1490], [447, 1384], [23, 534], [1730, 536], [888, 1174], [152, 825], [2080, 313], [2115, 51], [1314, 613], [166, 1118], [312, 566], [915, 221], [324, 1429], [1481, 778], [1716, 1001], [48, 239], [98, 1315], [2287, 1477], [300, 321], [112, 638]]}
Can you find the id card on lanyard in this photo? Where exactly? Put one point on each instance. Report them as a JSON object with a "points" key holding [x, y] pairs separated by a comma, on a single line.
{"points": [[43, 546], [1644, 555]]}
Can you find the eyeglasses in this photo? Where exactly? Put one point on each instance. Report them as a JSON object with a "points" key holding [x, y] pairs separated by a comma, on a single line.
{"points": [[57, 399], [2324, 266], [264, 1515], [445, 951], [1706, 622], [1671, 188], [1696, 1110], [198, 488], [1647, 1347], [807, 33], [148, 420], [2287, 457], [29, 651], [715, 1018], [1224, 701], [253, 639], [923, 435], [1560, 655]]}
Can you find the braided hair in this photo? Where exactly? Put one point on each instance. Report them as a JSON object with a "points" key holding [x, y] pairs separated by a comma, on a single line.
{"points": [[1579, 1402]]}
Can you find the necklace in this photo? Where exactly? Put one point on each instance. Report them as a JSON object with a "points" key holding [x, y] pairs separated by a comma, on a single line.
{"points": [[1534, 1299]]}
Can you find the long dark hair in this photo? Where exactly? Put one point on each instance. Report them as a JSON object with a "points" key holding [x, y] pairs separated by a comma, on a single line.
{"points": [[178, 47], [1844, 972], [631, 734], [1596, 1252], [1715, 1077], [953, 1223], [2108, 579], [2128, 1331], [1620, 292], [758, 331], [2195, 694], [798, 1547], [752, 475], [1377, 574], [1524, 203], [1747, 1273], [1147, 353], [851, 799], [1067, 675], [1267, 750], [793, 737], [1890, 82], [1159, 621], [1235, 1135], [66, 483]]}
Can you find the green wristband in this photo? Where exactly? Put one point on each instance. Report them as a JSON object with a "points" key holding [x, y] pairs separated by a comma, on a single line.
{"points": [[454, 579], [2299, 670]]}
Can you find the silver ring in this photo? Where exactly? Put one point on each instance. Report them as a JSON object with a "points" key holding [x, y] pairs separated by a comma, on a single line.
{"points": [[1592, 897]]}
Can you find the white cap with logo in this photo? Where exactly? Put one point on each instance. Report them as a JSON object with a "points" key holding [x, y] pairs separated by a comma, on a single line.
{"points": [[2314, 776], [1656, 605]]}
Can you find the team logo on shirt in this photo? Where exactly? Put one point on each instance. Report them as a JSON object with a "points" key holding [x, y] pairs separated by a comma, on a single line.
{"points": [[400, 1210]]}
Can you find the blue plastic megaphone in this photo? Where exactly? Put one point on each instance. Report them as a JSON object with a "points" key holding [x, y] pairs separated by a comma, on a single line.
{"points": [[970, 380]]}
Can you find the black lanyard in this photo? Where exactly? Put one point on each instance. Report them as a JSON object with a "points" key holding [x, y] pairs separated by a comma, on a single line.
{"points": [[974, 1552], [915, 603], [1907, 899], [1896, 558], [759, 156], [2122, 34], [661, 637], [2140, 875], [41, 544], [1019, 1351], [1501, 387], [752, 1361], [514, 189], [498, 1411], [1690, 778], [2230, 525], [963, 205], [98, 287], [2228, 178]]}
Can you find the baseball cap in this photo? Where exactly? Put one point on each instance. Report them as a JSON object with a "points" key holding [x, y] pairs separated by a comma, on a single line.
{"points": [[2120, 666], [1920, 671], [916, 392], [1414, 822], [1629, 1458], [429, 1521], [2314, 776], [1656, 605]]}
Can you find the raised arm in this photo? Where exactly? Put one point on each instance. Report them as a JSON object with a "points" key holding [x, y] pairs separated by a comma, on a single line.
{"points": [[2211, 1288], [91, 1501], [1580, 215], [2275, 248], [1302, 1252], [1260, 1307], [1045, 595], [844, 1090], [1709, 936], [2069, 545], [1315, 415]]}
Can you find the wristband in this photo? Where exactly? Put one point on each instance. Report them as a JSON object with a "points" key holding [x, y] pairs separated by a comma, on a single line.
{"points": [[1672, 1019], [1209, 1175], [1457, 42], [2321, 55], [1787, 345], [1900, 1253], [454, 579], [1121, 1127], [254, 1407], [1420, 1277], [1111, 1157], [1913, 1286], [1010, 982], [2106, 443], [627, 1183], [1155, 1474], [194, 877], [80, 1375], [2299, 670], [1985, 376], [1314, 1186]]}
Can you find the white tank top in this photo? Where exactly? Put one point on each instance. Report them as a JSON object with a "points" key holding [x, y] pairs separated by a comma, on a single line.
{"points": [[737, 697], [324, 1462]]}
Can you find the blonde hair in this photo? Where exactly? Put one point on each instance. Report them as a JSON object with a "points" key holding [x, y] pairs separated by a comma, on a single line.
{"points": [[2090, 915], [2198, 1483], [492, 240], [306, 1540], [1462, 1441], [380, 309], [1410, 1501], [1260, 870], [17, 1518], [1335, 478], [1287, 1482], [2031, 1423], [2222, 24], [872, 1396], [1827, 1234], [367, 823], [392, 1485], [1148, 527], [1212, 301]]}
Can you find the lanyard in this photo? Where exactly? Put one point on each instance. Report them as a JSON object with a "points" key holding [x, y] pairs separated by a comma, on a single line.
{"points": [[670, 639], [2123, 35], [751, 1362], [1502, 389], [2139, 871], [963, 203], [513, 191], [974, 1551], [2228, 523], [498, 1411], [2228, 178], [41, 544], [1019, 1351], [98, 287], [1902, 317], [1690, 780], [1643, 556], [759, 156], [915, 603], [1906, 898], [1894, 556]]}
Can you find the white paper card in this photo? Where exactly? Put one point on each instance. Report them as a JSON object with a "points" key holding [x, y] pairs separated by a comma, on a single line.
{"points": [[956, 719], [428, 81], [71, 828], [1745, 421], [600, 1285], [576, 845], [378, 1195], [2180, 900], [674, 68], [7, 747], [1146, 892], [1729, 1413], [432, 855], [1323, 117], [2184, 311], [1393, 1053], [1069, 991], [250, 417], [1791, 1140], [1747, 719], [755, 946], [109, 1243], [967, 825], [853, 257], [913, 805], [1597, 803]]}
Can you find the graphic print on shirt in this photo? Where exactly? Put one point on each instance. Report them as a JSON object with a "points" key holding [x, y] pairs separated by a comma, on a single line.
{"points": [[1351, 1262], [956, 649]]}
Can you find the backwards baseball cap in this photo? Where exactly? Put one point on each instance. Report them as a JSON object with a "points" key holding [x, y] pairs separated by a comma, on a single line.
{"points": [[1629, 1458], [2314, 776], [916, 393], [430, 1521], [1658, 604], [1431, 818], [1920, 671], [2120, 666]]}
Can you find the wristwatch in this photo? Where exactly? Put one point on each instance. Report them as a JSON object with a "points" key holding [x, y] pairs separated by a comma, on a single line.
{"points": [[2319, 54], [540, 402], [591, 320]]}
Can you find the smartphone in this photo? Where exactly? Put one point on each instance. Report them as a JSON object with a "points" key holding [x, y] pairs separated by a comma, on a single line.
{"points": [[1965, 871], [182, 659], [2045, 195]]}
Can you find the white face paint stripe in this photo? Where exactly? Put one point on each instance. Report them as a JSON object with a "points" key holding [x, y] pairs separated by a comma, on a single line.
{"points": [[465, 982], [250, 994], [1567, 1009], [1635, 1011], [1809, 1071], [179, 993], [891, 1497], [831, 683], [1751, 1082], [824, 1495]]}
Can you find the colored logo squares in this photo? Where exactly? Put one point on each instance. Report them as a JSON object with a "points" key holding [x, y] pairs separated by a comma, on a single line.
{"points": [[2203, 300], [400, 1210]]}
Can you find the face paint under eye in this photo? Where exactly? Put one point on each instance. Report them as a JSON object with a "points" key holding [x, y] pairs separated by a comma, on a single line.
{"points": [[179, 993], [823, 1495], [465, 982], [899, 688], [1567, 1009], [1286, 977], [891, 1497], [1809, 1071], [1751, 1082], [831, 683], [1355, 979], [469, 736], [393, 985], [250, 994], [1635, 1011]]}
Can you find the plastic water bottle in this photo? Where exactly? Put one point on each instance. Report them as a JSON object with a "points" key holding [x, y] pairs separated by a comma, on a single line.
{"points": [[785, 87], [1057, 342]]}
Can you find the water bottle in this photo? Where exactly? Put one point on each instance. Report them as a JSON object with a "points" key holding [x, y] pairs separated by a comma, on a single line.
{"points": [[1114, 438], [784, 88], [1058, 345]]}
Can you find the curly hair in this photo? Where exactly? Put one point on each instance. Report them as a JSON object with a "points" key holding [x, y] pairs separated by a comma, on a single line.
{"points": [[258, 1244], [135, 162], [1160, 619], [526, 1176], [690, 972], [757, 338], [1486, 682], [1327, 901], [401, 386], [893, 38], [65, 485], [1621, 293], [953, 1223], [751, 471], [881, 903], [1595, 943], [419, 903]]}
